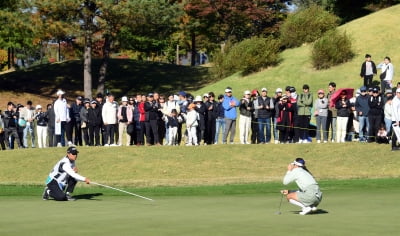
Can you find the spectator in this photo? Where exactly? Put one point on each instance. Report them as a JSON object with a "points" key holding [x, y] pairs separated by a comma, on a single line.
{"points": [[42, 120], [75, 122], [265, 107], [332, 112], [382, 135], [2, 141], [10, 118], [151, 108], [109, 115], [321, 114], [220, 121], [51, 126], [125, 117], [375, 113], [230, 103], [84, 118], [276, 98], [211, 118], [95, 123], [304, 105], [28, 114], [387, 72], [191, 125], [255, 136], [343, 112], [245, 109], [201, 111], [368, 70], [142, 120], [170, 105], [172, 124], [396, 120], [183, 104], [100, 103], [61, 117], [161, 120], [387, 111], [284, 118], [362, 109], [292, 98]]}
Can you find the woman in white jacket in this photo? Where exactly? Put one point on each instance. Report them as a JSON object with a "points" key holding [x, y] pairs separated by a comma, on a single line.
{"points": [[191, 125], [386, 67]]}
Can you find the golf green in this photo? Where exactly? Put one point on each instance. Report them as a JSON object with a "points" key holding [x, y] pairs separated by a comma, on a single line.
{"points": [[343, 212]]}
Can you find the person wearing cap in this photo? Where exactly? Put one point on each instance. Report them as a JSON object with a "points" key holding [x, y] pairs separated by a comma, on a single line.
{"points": [[83, 115], [265, 111], [151, 108], [41, 126], [321, 114], [309, 195], [375, 113], [362, 109], [245, 110], [230, 104], [191, 125], [28, 114], [10, 125], [368, 70], [76, 124], [387, 72], [61, 181], [109, 116], [284, 120], [125, 117], [219, 121], [396, 121], [304, 105], [332, 112], [61, 118]]}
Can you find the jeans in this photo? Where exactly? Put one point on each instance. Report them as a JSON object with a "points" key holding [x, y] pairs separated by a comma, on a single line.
{"points": [[388, 125], [264, 123], [220, 128], [321, 126], [275, 130], [363, 123], [29, 129]]}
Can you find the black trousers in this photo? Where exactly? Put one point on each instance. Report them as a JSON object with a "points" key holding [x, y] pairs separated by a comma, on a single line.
{"points": [[109, 134], [77, 133], [368, 80], [57, 193], [374, 123], [152, 131], [210, 131], [11, 132], [51, 136], [304, 123], [94, 135], [2, 143]]}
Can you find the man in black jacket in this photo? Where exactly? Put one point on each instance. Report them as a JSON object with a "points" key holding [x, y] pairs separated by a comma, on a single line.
{"points": [[368, 70], [375, 113], [10, 125], [151, 108]]}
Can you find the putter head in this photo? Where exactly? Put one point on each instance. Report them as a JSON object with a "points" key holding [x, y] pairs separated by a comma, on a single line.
{"points": [[278, 213]]}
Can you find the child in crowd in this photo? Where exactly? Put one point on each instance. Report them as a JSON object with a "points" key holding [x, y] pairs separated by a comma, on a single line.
{"points": [[172, 125], [382, 135], [191, 125]]}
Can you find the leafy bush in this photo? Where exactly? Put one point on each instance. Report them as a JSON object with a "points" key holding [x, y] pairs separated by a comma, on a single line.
{"points": [[306, 26], [331, 49], [247, 56]]}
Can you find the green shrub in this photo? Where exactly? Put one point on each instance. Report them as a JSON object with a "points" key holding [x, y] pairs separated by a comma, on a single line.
{"points": [[247, 56], [306, 26], [331, 49]]}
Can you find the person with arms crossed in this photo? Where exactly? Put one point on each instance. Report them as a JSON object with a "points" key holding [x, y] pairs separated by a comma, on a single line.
{"points": [[309, 196], [63, 177]]}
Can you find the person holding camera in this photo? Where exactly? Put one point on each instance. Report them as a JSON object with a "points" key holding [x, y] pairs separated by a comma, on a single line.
{"points": [[309, 195], [321, 115], [151, 108], [10, 117]]}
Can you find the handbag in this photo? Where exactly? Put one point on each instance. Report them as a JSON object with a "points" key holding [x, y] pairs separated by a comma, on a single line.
{"points": [[83, 125], [130, 129], [21, 122], [382, 76]]}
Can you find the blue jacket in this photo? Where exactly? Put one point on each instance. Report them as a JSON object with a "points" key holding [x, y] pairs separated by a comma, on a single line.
{"points": [[230, 112]]}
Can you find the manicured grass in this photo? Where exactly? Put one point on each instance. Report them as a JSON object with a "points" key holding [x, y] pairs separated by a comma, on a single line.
{"points": [[358, 207]]}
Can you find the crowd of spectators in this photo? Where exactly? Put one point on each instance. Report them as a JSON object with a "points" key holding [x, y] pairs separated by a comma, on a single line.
{"points": [[285, 116]]}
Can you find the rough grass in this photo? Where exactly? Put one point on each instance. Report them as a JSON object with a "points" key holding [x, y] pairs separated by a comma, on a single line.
{"points": [[203, 165]]}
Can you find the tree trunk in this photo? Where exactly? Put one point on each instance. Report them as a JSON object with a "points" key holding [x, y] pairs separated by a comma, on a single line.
{"points": [[193, 60], [104, 64], [87, 67]]}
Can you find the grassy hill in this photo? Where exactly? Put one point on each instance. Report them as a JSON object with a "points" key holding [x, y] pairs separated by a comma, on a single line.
{"points": [[377, 34]]}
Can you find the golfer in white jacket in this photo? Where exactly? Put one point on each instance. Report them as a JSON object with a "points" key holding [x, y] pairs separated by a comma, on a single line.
{"points": [[309, 195], [63, 177]]}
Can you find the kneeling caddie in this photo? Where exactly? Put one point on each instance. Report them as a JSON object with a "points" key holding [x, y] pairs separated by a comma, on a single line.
{"points": [[62, 179]]}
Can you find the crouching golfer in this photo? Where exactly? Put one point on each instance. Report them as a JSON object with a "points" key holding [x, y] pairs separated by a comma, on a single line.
{"points": [[63, 177], [309, 195]]}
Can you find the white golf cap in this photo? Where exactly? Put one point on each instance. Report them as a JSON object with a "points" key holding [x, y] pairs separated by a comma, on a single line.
{"points": [[264, 90], [198, 99], [38, 107], [227, 90], [60, 92], [247, 92], [124, 99], [278, 90], [206, 95]]}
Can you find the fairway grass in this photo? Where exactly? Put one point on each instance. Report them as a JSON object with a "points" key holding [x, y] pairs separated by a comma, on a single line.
{"points": [[357, 207]]}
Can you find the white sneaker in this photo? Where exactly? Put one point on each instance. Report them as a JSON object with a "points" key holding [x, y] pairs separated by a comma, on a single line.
{"points": [[106, 145], [314, 209], [59, 145], [300, 140], [325, 141], [113, 145], [305, 211], [70, 144], [305, 141], [318, 141], [276, 141]]}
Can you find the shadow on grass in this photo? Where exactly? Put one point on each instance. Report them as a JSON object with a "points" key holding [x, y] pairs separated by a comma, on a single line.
{"points": [[318, 212], [124, 77], [88, 196]]}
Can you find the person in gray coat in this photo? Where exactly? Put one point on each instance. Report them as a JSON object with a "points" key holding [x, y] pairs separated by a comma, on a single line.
{"points": [[321, 114]]}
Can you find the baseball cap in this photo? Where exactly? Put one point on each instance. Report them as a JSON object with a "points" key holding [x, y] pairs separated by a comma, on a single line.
{"points": [[182, 93], [150, 95], [321, 91], [375, 89], [124, 99], [363, 89], [228, 90], [264, 90], [247, 92], [388, 91], [38, 107], [72, 150], [292, 89], [79, 98], [60, 92], [278, 90], [206, 95], [93, 102], [198, 99]]}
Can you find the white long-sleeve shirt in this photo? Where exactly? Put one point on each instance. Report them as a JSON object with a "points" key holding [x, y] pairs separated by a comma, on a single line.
{"points": [[109, 113], [302, 178], [191, 118], [61, 110], [389, 68], [396, 109]]}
